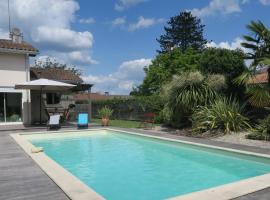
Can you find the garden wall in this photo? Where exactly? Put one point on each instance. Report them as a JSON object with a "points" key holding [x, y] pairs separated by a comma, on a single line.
{"points": [[128, 109]]}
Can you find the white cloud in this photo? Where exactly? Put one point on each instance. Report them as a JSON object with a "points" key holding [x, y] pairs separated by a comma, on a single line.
{"points": [[62, 38], [47, 25], [124, 4], [90, 20], [119, 21], [236, 43], [265, 2], [216, 7], [128, 75], [144, 23], [245, 1]]}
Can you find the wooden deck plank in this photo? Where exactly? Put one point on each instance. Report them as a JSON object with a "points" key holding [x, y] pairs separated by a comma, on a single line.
{"points": [[21, 178]]}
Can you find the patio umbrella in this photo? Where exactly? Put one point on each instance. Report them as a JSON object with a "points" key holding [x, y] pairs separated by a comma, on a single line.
{"points": [[44, 85]]}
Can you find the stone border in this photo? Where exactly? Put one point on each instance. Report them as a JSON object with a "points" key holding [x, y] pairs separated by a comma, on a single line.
{"points": [[223, 192]]}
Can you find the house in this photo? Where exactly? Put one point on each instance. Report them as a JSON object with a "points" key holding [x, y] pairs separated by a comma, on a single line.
{"points": [[21, 106], [14, 68]]}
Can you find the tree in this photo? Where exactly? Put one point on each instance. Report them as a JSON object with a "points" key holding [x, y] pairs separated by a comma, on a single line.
{"points": [[230, 63], [53, 63], [162, 69], [258, 44], [183, 31]]}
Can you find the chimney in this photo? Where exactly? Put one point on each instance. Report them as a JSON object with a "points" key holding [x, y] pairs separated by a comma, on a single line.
{"points": [[16, 35]]}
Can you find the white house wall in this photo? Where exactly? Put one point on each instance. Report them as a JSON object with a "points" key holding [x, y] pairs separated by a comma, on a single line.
{"points": [[14, 69]]}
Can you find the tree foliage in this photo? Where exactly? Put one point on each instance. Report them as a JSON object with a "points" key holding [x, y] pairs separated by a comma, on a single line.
{"points": [[230, 63], [258, 44], [183, 31], [162, 69], [53, 63]]}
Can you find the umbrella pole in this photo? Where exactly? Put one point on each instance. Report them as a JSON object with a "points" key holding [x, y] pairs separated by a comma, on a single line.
{"points": [[40, 95]]}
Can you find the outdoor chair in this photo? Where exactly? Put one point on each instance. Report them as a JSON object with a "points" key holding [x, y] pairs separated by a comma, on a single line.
{"points": [[147, 119], [82, 120], [54, 122]]}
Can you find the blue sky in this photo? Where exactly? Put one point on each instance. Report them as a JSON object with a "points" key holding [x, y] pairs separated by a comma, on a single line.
{"points": [[112, 40]]}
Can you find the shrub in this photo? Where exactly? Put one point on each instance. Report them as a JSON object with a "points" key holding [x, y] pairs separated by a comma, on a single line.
{"points": [[261, 130], [223, 114], [184, 93]]}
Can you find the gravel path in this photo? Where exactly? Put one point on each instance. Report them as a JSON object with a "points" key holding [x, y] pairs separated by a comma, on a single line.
{"points": [[234, 138], [239, 138]]}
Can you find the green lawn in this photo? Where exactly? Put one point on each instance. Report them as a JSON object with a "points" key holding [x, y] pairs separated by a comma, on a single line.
{"points": [[120, 123]]}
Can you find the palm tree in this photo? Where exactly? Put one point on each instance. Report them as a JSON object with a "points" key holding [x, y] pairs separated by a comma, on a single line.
{"points": [[258, 45], [258, 42]]}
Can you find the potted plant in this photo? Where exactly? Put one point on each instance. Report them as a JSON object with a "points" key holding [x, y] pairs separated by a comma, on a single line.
{"points": [[105, 113]]}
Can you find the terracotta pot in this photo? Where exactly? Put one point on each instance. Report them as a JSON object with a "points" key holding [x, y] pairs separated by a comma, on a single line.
{"points": [[105, 121]]}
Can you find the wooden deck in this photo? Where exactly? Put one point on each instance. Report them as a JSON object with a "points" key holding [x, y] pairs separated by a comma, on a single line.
{"points": [[21, 178]]}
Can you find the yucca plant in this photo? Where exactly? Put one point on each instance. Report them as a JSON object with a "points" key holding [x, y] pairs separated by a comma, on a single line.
{"points": [[105, 113], [223, 114], [184, 93]]}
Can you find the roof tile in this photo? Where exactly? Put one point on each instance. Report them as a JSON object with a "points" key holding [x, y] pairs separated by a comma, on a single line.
{"points": [[23, 46], [55, 74]]}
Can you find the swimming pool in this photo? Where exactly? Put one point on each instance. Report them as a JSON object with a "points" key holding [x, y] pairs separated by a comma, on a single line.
{"points": [[123, 166]]}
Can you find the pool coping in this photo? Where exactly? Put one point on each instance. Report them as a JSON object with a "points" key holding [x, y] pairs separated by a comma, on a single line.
{"points": [[77, 190]]}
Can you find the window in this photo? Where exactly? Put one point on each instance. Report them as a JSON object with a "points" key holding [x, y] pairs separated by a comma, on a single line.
{"points": [[10, 107], [53, 98]]}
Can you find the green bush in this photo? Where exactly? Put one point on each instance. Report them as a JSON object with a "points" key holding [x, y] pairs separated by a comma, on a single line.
{"points": [[223, 114], [261, 130], [184, 93]]}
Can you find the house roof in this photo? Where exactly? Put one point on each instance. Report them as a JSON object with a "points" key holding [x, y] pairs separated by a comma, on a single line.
{"points": [[55, 74], [260, 78], [23, 46]]}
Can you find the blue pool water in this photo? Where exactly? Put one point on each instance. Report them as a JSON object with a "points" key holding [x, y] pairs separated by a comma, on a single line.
{"points": [[123, 166]]}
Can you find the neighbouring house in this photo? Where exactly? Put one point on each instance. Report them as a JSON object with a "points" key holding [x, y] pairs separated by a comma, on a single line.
{"points": [[95, 96], [14, 68], [261, 77]]}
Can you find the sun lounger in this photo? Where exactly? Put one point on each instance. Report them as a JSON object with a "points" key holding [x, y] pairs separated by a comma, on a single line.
{"points": [[82, 120], [54, 122]]}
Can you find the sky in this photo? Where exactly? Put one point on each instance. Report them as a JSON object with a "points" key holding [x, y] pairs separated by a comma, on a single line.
{"points": [[111, 41]]}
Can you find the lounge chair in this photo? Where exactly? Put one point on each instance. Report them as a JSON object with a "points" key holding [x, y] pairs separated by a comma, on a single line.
{"points": [[82, 120], [147, 119], [54, 122]]}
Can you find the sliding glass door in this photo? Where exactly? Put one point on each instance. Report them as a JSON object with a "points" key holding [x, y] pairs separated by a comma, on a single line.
{"points": [[10, 107], [2, 107]]}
